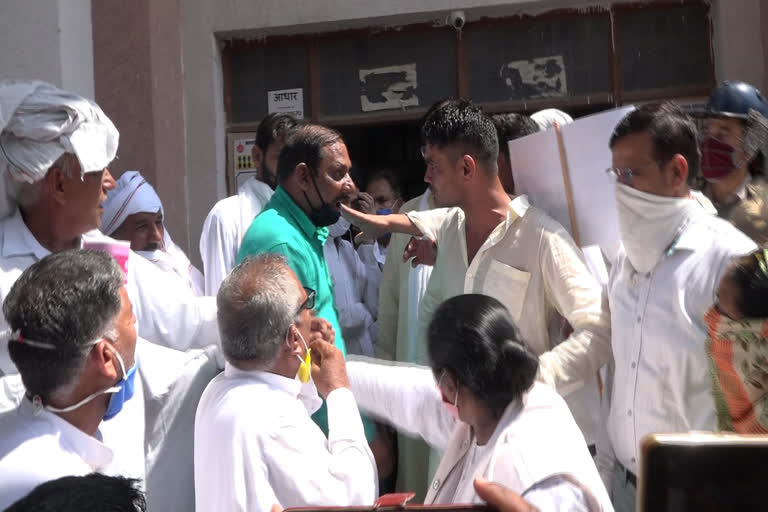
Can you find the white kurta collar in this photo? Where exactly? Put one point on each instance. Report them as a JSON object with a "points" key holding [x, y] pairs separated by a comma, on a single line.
{"points": [[274, 381], [93, 452], [517, 208], [18, 240]]}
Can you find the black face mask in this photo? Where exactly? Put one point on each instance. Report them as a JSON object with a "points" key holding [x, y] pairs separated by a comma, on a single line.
{"points": [[325, 215]]}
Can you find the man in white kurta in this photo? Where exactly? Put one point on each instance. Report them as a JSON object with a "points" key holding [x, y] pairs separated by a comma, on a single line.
{"points": [[150, 439], [354, 291], [531, 265], [230, 218], [76, 355], [400, 293], [55, 174], [255, 442], [505, 248], [133, 212], [59, 448]]}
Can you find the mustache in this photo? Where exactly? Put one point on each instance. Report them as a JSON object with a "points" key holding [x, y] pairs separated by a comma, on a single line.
{"points": [[153, 246]]}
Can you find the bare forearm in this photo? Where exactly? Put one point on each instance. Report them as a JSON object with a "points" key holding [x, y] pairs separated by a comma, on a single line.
{"points": [[378, 224]]}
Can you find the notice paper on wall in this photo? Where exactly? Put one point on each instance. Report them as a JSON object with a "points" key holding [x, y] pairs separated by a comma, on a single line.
{"points": [[390, 87], [286, 101]]}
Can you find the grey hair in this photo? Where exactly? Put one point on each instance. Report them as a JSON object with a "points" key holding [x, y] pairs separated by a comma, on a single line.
{"points": [[257, 303], [66, 301], [27, 194]]}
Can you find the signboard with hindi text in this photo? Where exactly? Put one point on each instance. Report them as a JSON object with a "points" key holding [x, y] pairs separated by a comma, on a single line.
{"points": [[286, 101]]}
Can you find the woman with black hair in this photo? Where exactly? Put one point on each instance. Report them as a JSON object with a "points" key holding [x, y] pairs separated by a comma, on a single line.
{"points": [[479, 404], [737, 345]]}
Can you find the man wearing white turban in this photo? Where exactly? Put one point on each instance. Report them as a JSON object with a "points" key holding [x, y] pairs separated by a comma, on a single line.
{"points": [[54, 150], [548, 117], [133, 212]]}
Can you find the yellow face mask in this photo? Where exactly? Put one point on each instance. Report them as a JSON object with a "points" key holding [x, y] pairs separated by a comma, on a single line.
{"points": [[305, 369]]}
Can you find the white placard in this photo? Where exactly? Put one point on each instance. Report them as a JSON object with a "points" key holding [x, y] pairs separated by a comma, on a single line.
{"points": [[538, 172], [388, 87], [535, 162], [586, 146], [286, 101]]}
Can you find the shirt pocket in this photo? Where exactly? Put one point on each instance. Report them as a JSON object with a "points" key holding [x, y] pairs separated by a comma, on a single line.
{"points": [[508, 285]]}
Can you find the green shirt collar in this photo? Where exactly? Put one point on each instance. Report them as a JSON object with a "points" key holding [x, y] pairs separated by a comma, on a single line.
{"points": [[284, 202]]}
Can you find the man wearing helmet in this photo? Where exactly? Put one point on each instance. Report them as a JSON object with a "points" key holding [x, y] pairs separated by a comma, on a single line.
{"points": [[734, 157]]}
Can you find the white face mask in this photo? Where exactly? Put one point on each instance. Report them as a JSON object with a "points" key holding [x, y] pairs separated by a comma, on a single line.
{"points": [[338, 228], [650, 224]]}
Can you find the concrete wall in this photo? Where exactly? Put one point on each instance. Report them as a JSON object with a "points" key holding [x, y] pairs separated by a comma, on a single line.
{"points": [[138, 67], [764, 31], [48, 40], [738, 41]]}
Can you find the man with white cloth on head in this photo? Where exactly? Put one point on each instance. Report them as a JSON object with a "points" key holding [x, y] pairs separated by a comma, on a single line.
{"points": [[549, 117], [256, 445], [55, 150], [133, 212]]}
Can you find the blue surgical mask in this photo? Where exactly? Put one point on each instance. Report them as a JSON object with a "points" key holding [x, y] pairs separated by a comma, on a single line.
{"points": [[121, 392], [125, 388], [386, 236]]}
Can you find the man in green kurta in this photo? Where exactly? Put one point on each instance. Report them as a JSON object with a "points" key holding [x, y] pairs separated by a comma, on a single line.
{"points": [[313, 177]]}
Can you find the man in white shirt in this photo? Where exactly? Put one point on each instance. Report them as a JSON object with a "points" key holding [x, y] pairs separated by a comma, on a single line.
{"points": [[502, 247], [585, 401], [255, 442], [230, 218], [664, 279], [355, 290], [55, 149], [133, 212], [73, 338]]}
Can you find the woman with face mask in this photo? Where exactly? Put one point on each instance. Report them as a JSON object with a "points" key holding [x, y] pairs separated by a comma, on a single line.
{"points": [[733, 157], [737, 345], [479, 404]]}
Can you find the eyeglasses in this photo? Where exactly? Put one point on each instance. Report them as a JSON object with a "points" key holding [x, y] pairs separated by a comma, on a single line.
{"points": [[309, 303], [622, 174], [625, 175], [762, 260]]}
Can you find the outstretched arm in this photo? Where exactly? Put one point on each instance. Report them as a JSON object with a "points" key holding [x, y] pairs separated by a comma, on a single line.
{"points": [[376, 225]]}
